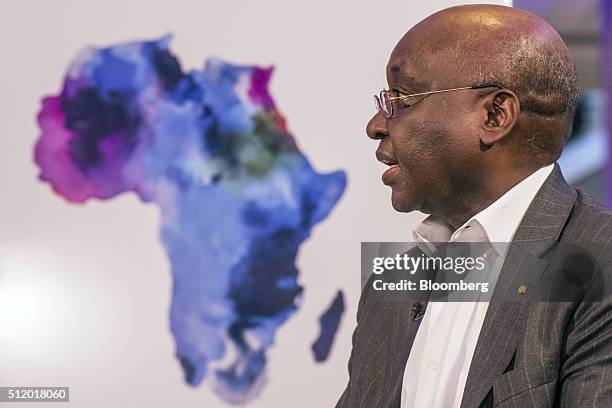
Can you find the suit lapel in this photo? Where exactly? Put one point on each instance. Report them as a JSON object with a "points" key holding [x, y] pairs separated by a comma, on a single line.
{"points": [[505, 320], [405, 330]]}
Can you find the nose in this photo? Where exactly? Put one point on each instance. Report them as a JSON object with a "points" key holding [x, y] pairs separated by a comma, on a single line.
{"points": [[377, 127]]}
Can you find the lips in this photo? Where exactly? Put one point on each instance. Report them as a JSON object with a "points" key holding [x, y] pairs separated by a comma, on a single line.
{"points": [[389, 174], [385, 158], [393, 169]]}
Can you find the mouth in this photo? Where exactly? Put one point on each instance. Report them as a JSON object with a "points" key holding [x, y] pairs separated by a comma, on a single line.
{"points": [[389, 163], [386, 159], [393, 169]]}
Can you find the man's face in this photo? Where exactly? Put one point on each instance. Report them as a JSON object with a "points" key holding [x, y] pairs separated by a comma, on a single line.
{"points": [[431, 142]]}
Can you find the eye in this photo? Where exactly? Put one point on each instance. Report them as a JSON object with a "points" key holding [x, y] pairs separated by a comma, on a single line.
{"points": [[404, 102], [408, 102], [394, 93]]}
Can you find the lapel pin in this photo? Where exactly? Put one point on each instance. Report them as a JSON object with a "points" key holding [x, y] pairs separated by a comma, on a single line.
{"points": [[522, 289]]}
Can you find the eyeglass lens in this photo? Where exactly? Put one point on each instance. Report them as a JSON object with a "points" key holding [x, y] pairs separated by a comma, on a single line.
{"points": [[383, 102]]}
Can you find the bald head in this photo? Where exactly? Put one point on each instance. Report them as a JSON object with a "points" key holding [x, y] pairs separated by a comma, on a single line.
{"points": [[505, 46]]}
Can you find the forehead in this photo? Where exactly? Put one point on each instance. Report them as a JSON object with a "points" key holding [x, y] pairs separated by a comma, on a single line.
{"points": [[421, 68]]}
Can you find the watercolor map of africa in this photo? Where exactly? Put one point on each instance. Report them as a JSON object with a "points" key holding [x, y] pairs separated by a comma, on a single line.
{"points": [[237, 197]]}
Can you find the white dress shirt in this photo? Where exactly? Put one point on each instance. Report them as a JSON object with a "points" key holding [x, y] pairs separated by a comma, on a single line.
{"points": [[443, 348]]}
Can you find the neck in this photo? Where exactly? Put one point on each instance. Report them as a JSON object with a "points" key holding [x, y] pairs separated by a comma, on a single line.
{"points": [[464, 205]]}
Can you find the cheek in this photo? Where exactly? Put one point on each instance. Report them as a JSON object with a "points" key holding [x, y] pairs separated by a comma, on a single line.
{"points": [[430, 160], [420, 146]]}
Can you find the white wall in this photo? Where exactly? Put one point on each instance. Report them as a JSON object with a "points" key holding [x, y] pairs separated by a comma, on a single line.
{"points": [[73, 307]]}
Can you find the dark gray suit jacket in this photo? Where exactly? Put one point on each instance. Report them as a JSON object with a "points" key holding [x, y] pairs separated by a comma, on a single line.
{"points": [[530, 353]]}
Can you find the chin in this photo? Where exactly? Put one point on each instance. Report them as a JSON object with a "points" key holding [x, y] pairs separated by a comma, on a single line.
{"points": [[404, 202]]}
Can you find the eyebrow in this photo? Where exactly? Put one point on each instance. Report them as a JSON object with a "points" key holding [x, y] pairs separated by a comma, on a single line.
{"points": [[407, 82]]}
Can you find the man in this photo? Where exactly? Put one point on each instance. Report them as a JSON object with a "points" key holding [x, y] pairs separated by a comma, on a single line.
{"points": [[481, 101]]}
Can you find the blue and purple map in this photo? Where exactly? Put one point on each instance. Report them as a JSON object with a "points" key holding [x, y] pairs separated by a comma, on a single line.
{"points": [[236, 195]]}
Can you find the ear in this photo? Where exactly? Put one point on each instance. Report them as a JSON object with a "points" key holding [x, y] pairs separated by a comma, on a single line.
{"points": [[502, 108]]}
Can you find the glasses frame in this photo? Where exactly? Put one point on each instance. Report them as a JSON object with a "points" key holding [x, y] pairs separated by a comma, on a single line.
{"points": [[381, 102]]}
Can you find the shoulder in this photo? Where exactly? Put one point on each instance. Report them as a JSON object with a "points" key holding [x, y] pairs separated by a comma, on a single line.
{"points": [[590, 222], [589, 227]]}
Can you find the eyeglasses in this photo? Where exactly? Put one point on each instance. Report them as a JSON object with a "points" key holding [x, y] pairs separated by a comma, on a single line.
{"points": [[384, 101]]}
